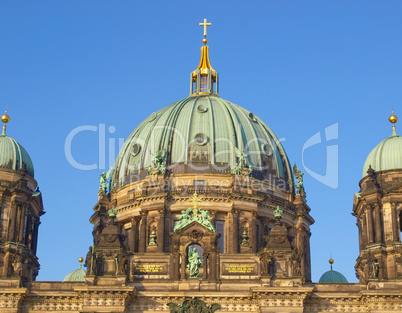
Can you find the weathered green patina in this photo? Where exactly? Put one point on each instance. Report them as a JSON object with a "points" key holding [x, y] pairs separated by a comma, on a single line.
{"points": [[194, 215]]}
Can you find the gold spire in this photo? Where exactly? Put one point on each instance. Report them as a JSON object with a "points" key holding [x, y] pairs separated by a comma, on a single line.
{"points": [[204, 80], [5, 119], [393, 119]]}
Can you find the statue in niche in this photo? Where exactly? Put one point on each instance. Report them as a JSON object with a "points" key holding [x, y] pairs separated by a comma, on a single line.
{"points": [[296, 264], [245, 236], [152, 237], [267, 266], [375, 268], [18, 261], [99, 264], [194, 263]]}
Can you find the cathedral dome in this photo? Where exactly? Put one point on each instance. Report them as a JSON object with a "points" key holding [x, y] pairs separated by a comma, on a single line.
{"points": [[387, 155], [13, 156], [201, 134]]}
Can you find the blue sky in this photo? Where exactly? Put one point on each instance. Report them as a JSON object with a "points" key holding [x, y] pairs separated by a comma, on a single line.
{"points": [[301, 66]]}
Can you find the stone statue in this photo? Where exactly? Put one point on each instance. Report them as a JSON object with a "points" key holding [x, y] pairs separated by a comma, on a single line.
{"points": [[296, 264], [158, 165], [375, 266], [89, 261], [205, 219], [17, 264], [194, 262], [193, 306], [123, 265], [299, 176], [244, 241], [103, 180], [241, 167], [266, 263], [99, 264], [194, 215], [152, 241]]}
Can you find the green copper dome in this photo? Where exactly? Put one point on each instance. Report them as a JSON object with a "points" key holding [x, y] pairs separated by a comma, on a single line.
{"points": [[76, 275], [332, 276], [387, 155], [13, 156], [200, 134]]}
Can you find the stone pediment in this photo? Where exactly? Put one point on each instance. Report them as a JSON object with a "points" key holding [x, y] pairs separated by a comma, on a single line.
{"points": [[396, 188], [195, 226]]}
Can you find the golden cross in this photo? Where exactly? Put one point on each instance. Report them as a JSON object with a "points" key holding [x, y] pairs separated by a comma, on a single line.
{"points": [[205, 24], [195, 199]]}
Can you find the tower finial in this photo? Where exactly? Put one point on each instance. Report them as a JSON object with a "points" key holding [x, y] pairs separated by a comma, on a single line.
{"points": [[81, 259], [331, 261], [393, 119], [205, 24], [5, 119], [204, 80]]}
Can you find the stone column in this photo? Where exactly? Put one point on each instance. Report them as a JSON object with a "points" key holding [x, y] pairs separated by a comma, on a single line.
{"points": [[212, 266], [377, 220], [143, 232], [183, 266], [22, 224], [359, 227], [35, 235], [235, 236], [206, 255], [395, 228], [160, 239], [12, 223], [370, 228], [300, 247], [253, 232], [133, 234]]}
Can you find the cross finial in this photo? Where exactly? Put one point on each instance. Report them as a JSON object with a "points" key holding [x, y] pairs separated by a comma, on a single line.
{"points": [[195, 200], [205, 24]]}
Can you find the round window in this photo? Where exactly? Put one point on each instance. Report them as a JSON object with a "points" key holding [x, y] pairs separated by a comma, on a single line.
{"points": [[251, 116], [136, 149], [200, 139], [202, 108], [267, 149], [152, 117]]}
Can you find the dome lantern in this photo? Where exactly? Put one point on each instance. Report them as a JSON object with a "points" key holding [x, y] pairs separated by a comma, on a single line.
{"points": [[204, 80]]}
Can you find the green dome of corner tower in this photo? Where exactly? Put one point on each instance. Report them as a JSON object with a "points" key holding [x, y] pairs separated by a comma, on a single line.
{"points": [[332, 276], [387, 155], [12, 155]]}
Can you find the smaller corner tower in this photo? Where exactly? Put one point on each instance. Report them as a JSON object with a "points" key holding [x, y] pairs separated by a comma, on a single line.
{"points": [[377, 207], [20, 209]]}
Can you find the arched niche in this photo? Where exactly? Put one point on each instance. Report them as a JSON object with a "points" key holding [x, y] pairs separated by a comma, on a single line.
{"points": [[194, 234]]}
